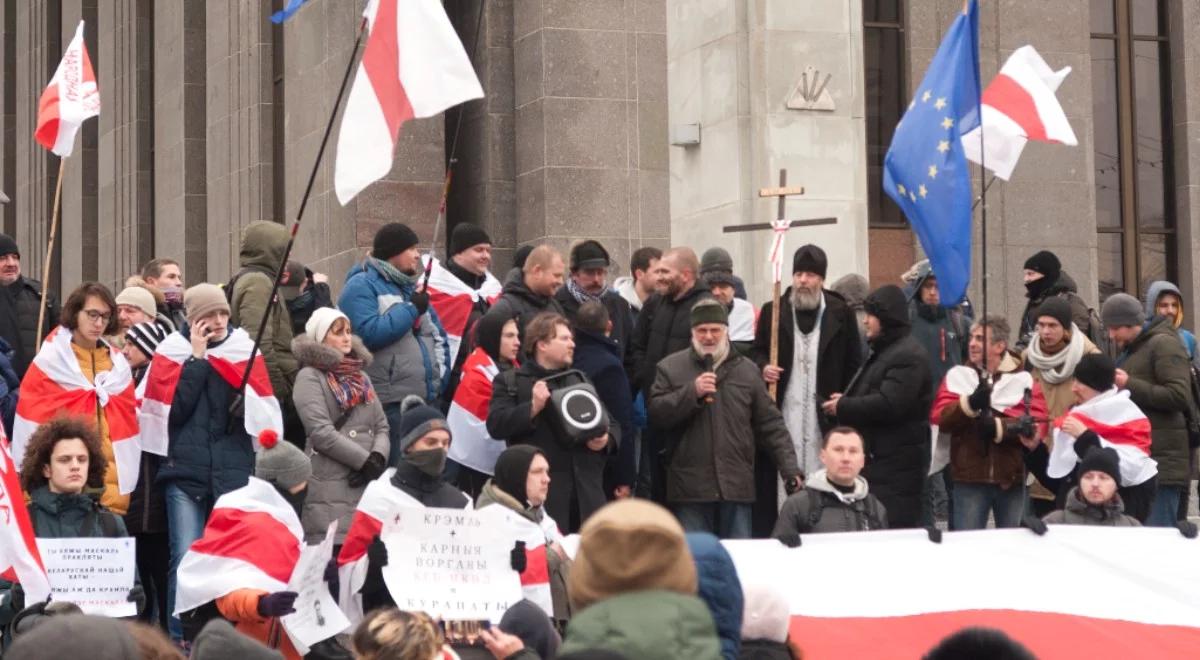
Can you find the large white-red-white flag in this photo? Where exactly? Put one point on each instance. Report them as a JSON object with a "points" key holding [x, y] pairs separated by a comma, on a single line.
{"points": [[56, 385], [453, 301], [473, 446], [1019, 105], [20, 560], [157, 390], [252, 541], [1120, 424], [413, 66], [71, 97]]}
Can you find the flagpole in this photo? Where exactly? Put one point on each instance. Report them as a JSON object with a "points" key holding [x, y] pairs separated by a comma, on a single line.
{"points": [[984, 188], [62, 165], [312, 177]]}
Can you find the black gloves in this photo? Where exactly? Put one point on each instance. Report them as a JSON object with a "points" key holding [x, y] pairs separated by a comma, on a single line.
{"points": [[377, 553], [1187, 528], [279, 603], [1034, 524], [137, 595], [371, 470], [420, 300], [1085, 442], [331, 576], [790, 540], [793, 485], [981, 399], [517, 557]]}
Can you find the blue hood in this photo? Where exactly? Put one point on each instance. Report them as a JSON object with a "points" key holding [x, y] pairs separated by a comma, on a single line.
{"points": [[720, 589]]}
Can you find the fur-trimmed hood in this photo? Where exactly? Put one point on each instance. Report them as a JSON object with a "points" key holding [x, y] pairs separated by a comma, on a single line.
{"points": [[319, 356]]}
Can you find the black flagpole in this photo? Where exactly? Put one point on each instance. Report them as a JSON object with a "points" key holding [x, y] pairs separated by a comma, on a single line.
{"points": [[262, 326]]}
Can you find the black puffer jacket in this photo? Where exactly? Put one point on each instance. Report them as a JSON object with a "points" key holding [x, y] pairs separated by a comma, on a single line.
{"points": [[663, 327], [19, 303], [888, 402], [205, 460], [518, 302]]}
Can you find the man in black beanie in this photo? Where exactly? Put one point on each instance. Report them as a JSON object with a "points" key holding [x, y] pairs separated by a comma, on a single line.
{"points": [[1095, 500], [888, 402], [20, 300], [389, 310], [1044, 279], [819, 351], [588, 280]]}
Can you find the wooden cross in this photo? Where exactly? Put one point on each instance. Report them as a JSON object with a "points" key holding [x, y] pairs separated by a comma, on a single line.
{"points": [[778, 229]]}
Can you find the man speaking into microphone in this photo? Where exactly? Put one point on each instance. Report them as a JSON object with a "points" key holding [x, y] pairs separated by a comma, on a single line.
{"points": [[712, 406]]}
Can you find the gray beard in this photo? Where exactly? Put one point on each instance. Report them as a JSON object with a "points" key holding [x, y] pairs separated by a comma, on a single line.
{"points": [[804, 300]]}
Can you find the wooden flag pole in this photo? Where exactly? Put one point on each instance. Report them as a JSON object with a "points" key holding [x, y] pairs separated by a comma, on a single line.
{"points": [[62, 166], [776, 293]]}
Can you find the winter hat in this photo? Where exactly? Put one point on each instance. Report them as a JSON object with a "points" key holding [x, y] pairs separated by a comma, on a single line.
{"points": [[520, 255], [219, 641], [888, 304], [75, 636], [709, 311], [416, 419], [321, 320], [1102, 459], [810, 259], [719, 588], [630, 545], [392, 239], [1046, 263], [853, 288], [282, 464], [1122, 309], [139, 297], [8, 246], [296, 273], [530, 623], [588, 254], [204, 299], [1096, 371], [488, 329], [979, 644], [466, 235], [512, 470], [766, 614], [1057, 308], [146, 336], [716, 259]]}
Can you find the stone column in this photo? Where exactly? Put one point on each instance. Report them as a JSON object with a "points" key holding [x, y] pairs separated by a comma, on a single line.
{"points": [[591, 156], [8, 114], [126, 174], [180, 203], [1185, 70], [80, 202]]}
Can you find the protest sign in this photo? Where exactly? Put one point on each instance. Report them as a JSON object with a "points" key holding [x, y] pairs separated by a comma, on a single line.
{"points": [[452, 563], [317, 615], [96, 574]]}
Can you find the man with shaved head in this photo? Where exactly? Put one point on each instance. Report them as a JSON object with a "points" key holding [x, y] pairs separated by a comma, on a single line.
{"points": [[532, 291], [663, 327]]}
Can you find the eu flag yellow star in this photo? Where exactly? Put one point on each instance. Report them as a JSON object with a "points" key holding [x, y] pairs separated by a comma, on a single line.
{"points": [[933, 171], [922, 190], [926, 96], [901, 189], [947, 123], [941, 103], [943, 146]]}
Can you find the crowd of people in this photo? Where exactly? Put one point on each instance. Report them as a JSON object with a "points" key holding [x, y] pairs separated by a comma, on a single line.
{"points": [[883, 410]]}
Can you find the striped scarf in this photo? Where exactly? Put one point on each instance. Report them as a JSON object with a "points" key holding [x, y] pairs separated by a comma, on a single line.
{"points": [[350, 386]]}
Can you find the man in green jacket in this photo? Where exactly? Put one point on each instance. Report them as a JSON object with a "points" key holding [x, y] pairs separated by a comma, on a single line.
{"points": [[1153, 366]]}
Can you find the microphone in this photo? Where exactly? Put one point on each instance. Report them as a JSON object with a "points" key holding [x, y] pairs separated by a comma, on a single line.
{"points": [[708, 367]]}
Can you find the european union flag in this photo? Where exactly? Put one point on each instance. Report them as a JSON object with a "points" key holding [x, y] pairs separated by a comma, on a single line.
{"points": [[282, 15], [925, 170]]}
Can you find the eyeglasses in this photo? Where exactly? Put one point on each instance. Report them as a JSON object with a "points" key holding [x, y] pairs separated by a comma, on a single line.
{"points": [[94, 316]]}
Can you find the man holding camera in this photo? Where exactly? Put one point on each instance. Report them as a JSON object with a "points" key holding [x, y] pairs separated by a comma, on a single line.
{"points": [[522, 412], [712, 406], [985, 417]]}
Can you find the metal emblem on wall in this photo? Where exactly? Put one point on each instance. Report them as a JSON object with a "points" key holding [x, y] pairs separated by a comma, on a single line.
{"points": [[812, 92]]}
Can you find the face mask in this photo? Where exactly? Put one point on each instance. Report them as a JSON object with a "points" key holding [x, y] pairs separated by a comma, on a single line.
{"points": [[296, 500], [429, 461]]}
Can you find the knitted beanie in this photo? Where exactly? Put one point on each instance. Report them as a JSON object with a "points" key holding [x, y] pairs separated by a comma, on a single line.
{"points": [[139, 297], [716, 259], [1057, 308], [418, 418], [321, 320], [204, 299], [709, 311], [466, 235], [282, 464], [1122, 309], [146, 336], [1096, 371], [1102, 459], [9, 246], [810, 259], [392, 239]]}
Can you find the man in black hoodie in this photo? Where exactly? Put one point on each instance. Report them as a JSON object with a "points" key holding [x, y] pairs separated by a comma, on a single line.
{"points": [[532, 291], [888, 402], [1044, 277]]}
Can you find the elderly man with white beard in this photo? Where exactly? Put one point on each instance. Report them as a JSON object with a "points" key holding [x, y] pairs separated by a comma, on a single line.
{"points": [[819, 352]]}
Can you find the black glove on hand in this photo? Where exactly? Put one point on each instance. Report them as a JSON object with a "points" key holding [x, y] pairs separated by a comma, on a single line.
{"points": [[137, 595], [1187, 528], [793, 485], [373, 468], [790, 540], [1034, 524], [981, 398], [420, 300], [1085, 442], [332, 578], [377, 553], [279, 603], [517, 557]]}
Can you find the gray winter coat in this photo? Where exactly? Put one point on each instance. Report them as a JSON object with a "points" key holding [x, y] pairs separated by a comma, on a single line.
{"points": [[335, 454], [821, 508], [1079, 512]]}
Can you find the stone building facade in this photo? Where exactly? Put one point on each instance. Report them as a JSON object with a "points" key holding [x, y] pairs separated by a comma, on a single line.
{"points": [[637, 122]]}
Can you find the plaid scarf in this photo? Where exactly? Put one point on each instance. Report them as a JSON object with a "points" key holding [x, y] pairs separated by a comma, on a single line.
{"points": [[350, 386], [583, 296]]}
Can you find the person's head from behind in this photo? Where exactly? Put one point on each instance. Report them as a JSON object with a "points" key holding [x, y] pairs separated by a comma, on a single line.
{"points": [[979, 644], [1094, 375], [63, 455], [677, 272], [523, 473], [207, 311], [593, 317], [163, 274], [75, 636], [544, 270], [90, 313], [843, 455], [641, 267], [393, 634], [549, 341], [1099, 475]]}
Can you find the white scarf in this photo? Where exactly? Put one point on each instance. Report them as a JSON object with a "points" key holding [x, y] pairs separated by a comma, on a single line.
{"points": [[1059, 367]]}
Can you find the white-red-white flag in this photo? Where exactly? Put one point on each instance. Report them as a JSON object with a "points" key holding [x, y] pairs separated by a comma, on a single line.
{"points": [[1120, 424], [157, 390], [453, 301], [413, 66], [56, 385], [473, 446], [252, 541], [71, 97], [20, 560], [1019, 105]]}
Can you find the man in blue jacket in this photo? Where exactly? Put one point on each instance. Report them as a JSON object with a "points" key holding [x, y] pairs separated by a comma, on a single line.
{"points": [[597, 355], [392, 315]]}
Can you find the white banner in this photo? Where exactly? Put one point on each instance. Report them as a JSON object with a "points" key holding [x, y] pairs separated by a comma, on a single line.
{"points": [[317, 616], [96, 574], [450, 563]]}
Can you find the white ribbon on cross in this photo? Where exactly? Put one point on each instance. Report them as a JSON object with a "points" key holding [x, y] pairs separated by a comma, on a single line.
{"points": [[778, 229]]}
